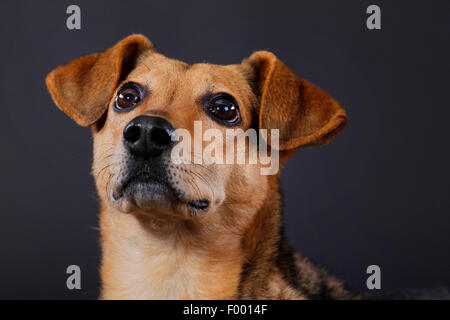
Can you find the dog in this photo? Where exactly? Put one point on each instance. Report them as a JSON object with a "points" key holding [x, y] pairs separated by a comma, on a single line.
{"points": [[192, 230]]}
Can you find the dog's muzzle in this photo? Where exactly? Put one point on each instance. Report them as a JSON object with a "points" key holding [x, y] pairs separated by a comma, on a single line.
{"points": [[145, 181], [147, 141]]}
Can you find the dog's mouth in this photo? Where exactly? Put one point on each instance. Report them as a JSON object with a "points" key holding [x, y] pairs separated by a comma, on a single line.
{"points": [[148, 192], [199, 205]]}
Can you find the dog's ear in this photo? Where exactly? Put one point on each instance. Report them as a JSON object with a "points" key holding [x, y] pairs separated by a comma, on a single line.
{"points": [[83, 87], [303, 113]]}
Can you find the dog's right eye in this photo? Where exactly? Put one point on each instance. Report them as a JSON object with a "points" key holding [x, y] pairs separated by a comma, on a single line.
{"points": [[128, 97]]}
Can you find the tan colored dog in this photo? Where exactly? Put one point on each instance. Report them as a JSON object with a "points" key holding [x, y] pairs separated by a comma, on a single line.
{"points": [[193, 231]]}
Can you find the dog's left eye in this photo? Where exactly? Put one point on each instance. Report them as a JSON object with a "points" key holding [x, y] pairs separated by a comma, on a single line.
{"points": [[127, 97], [224, 109]]}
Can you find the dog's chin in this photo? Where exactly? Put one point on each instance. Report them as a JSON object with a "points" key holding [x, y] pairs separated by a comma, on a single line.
{"points": [[157, 199], [143, 196]]}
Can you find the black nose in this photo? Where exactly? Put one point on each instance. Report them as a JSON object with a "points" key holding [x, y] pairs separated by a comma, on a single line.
{"points": [[148, 136]]}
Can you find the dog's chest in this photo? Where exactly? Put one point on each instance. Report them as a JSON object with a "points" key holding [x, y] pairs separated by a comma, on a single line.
{"points": [[150, 268], [158, 275]]}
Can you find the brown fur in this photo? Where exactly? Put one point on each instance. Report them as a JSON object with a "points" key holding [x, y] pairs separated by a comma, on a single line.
{"points": [[234, 250]]}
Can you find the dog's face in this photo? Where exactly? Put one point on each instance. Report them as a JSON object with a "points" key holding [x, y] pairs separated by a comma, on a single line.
{"points": [[135, 144], [138, 103]]}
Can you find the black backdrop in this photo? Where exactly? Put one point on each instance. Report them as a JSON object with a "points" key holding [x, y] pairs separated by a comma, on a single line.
{"points": [[378, 194]]}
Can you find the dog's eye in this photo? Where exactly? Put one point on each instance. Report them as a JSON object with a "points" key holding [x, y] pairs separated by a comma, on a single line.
{"points": [[223, 108], [127, 97]]}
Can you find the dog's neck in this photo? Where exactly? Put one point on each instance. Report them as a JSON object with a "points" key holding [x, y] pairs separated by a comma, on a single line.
{"points": [[192, 260]]}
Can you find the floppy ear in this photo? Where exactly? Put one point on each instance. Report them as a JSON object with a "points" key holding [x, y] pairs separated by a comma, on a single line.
{"points": [[83, 87], [303, 113]]}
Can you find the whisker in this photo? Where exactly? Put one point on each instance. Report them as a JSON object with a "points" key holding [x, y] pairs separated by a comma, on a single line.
{"points": [[205, 181]]}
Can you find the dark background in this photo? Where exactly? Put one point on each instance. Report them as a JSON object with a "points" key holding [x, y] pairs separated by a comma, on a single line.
{"points": [[378, 194]]}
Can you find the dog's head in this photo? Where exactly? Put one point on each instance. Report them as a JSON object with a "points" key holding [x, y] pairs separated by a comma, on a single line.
{"points": [[142, 106]]}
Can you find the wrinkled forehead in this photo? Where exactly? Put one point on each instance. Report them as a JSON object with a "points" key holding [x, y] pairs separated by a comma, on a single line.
{"points": [[162, 75]]}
